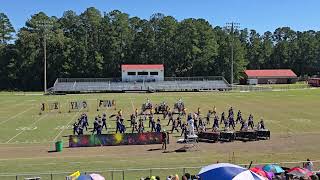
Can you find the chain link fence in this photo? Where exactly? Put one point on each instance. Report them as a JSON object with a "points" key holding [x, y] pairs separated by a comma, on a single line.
{"points": [[132, 174]]}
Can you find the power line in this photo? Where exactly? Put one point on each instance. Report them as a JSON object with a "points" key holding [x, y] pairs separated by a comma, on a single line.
{"points": [[232, 27]]}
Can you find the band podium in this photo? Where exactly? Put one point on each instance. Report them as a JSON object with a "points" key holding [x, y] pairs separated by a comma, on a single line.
{"points": [[115, 139]]}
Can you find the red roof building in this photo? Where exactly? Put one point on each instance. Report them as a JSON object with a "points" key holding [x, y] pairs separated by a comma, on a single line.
{"points": [[141, 66], [270, 76], [142, 72]]}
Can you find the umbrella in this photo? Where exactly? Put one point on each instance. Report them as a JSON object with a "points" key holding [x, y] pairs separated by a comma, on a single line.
{"points": [[96, 177], [300, 172], [273, 168], [258, 170], [84, 177], [227, 171]]}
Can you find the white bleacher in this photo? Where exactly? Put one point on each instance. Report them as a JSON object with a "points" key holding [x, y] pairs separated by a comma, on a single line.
{"points": [[172, 84]]}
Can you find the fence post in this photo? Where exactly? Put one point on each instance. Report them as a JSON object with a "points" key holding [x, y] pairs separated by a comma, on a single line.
{"points": [[183, 171], [150, 172], [122, 174], [51, 176], [16, 177], [111, 175]]}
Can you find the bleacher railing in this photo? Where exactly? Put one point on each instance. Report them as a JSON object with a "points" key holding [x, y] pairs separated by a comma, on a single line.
{"points": [[197, 78]]}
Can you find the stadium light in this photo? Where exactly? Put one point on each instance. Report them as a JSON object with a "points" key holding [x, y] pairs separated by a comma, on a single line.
{"points": [[232, 27], [43, 26]]}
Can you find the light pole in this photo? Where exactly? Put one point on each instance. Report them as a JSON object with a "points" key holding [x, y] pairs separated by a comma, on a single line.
{"points": [[44, 26], [232, 26]]}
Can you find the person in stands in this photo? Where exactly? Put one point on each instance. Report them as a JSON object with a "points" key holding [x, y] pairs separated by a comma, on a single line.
{"points": [[308, 165]]}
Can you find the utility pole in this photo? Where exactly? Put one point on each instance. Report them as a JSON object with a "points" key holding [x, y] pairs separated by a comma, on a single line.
{"points": [[232, 27], [43, 27]]}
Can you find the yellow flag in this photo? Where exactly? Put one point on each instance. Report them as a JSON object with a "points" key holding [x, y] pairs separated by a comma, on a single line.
{"points": [[75, 175]]}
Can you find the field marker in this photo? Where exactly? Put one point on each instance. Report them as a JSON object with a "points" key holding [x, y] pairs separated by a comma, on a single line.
{"points": [[25, 129], [67, 125], [16, 115]]}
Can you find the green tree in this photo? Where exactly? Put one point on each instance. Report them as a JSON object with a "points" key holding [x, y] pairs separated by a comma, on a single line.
{"points": [[6, 29]]}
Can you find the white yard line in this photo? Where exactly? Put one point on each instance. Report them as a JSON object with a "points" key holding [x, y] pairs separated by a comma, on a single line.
{"points": [[132, 105], [25, 129], [15, 105], [16, 115], [72, 119]]}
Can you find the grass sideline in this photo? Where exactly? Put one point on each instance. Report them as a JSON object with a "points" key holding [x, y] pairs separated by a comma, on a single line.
{"points": [[299, 108]]}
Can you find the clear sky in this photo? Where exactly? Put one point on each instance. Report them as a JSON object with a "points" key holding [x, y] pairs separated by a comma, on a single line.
{"points": [[261, 15]]}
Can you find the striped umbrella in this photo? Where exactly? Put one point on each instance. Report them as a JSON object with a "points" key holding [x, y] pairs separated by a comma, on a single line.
{"points": [[227, 171]]}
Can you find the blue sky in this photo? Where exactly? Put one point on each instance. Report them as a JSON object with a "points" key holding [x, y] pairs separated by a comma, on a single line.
{"points": [[261, 15]]}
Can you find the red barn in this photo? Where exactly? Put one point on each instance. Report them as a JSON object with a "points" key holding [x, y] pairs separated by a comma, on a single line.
{"points": [[269, 76]]}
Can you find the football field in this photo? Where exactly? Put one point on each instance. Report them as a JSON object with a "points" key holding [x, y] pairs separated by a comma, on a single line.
{"points": [[26, 137]]}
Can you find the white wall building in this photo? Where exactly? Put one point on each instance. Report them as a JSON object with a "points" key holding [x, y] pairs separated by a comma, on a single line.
{"points": [[142, 72]]}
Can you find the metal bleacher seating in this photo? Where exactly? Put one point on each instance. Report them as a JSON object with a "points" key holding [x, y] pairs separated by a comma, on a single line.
{"points": [[69, 85]]}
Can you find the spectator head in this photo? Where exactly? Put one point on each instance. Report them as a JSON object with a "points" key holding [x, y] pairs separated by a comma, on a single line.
{"points": [[176, 177], [187, 175], [157, 178], [308, 159], [184, 178]]}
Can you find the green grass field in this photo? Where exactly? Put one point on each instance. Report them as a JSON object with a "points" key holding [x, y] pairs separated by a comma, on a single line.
{"points": [[26, 137]]}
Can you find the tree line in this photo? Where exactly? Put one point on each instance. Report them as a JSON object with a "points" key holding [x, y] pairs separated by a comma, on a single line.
{"points": [[95, 44]]}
